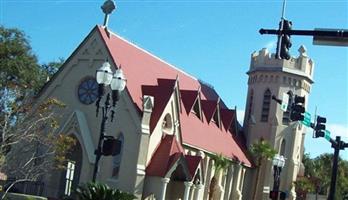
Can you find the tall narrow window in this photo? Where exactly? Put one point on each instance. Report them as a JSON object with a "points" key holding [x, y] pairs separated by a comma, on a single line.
{"points": [[282, 148], [69, 177], [266, 105], [286, 114], [117, 158], [250, 105]]}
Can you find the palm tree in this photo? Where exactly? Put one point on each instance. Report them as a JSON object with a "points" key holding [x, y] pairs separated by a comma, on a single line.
{"points": [[220, 163], [261, 151]]}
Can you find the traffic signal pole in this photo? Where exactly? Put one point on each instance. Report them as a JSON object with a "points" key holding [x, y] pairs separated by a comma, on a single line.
{"points": [[336, 146], [320, 131]]}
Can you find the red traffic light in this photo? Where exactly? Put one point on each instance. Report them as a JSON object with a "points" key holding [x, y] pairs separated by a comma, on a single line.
{"points": [[273, 194]]}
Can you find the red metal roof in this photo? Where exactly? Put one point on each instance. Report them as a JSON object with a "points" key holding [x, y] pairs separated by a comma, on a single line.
{"points": [[166, 154], [193, 163], [161, 93], [227, 117], [145, 72], [189, 98], [209, 108]]}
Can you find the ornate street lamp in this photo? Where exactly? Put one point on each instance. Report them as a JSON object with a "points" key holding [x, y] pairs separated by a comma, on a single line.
{"points": [[278, 164], [105, 77]]}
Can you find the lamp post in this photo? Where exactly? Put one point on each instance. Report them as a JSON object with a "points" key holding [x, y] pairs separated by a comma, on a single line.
{"points": [[278, 163], [117, 83]]}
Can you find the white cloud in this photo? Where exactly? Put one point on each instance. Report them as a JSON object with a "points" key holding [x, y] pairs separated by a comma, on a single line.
{"points": [[338, 130], [240, 116]]}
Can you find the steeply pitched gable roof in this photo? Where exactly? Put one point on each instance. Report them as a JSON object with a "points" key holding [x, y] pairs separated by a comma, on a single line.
{"points": [[148, 74]]}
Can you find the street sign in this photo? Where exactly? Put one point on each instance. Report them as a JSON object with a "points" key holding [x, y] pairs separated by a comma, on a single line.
{"points": [[307, 119], [327, 135], [266, 189], [285, 100]]}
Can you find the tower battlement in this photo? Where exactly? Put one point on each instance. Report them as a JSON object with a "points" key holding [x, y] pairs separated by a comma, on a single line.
{"points": [[263, 60]]}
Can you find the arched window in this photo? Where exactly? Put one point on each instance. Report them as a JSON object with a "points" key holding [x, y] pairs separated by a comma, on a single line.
{"points": [[266, 105], [250, 105], [286, 114], [116, 159], [282, 148]]}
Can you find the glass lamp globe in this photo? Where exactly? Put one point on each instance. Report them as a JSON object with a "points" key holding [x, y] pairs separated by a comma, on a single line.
{"points": [[282, 161], [104, 74], [118, 81], [275, 160]]}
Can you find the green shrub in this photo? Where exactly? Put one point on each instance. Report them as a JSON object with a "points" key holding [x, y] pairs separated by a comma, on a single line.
{"points": [[93, 191]]}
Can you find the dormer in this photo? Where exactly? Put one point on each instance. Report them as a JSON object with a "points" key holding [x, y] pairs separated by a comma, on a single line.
{"points": [[192, 102], [211, 111], [228, 118], [196, 109]]}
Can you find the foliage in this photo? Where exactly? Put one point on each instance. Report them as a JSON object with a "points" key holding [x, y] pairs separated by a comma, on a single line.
{"points": [[319, 169], [220, 163], [303, 185], [262, 150], [19, 65], [99, 191], [31, 146], [29, 143]]}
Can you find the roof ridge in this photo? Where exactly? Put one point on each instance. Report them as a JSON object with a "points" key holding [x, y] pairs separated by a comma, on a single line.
{"points": [[149, 53]]}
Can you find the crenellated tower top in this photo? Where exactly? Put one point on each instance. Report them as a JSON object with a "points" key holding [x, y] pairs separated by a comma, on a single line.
{"points": [[264, 61]]}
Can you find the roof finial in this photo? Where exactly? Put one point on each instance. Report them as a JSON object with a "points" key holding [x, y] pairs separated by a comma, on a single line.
{"points": [[107, 7]]}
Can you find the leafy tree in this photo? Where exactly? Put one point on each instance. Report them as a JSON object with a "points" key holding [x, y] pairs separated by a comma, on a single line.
{"points": [[29, 143], [220, 163], [19, 65], [303, 186], [32, 147], [261, 151], [319, 170], [100, 191]]}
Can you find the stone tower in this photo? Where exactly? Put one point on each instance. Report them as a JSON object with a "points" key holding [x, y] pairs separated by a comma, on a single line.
{"points": [[264, 119]]}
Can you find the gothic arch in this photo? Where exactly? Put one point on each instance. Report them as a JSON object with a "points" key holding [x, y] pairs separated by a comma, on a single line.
{"points": [[70, 177], [250, 104], [266, 105], [282, 150]]}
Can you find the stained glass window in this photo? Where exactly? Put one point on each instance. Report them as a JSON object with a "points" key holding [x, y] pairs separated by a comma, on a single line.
{"points": [[88, 91]]}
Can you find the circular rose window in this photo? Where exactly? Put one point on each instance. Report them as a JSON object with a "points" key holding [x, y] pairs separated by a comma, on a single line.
{"points": [[88, 91]]}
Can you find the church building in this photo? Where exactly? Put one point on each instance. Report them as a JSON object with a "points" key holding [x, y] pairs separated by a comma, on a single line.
{"points": [[167, 122]]}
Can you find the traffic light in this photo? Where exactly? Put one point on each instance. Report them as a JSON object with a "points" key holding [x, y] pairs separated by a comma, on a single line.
{"points": [[111, 146], [273, 194], [320, 127], [285, 43], [297, 109]]}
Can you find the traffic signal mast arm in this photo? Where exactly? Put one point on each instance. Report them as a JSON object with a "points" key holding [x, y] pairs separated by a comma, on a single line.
{"points": [[340, 33]]}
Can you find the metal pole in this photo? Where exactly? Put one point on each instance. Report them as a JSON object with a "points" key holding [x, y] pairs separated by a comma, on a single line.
{"points": [[276, 175], [98, 151], [279, 41], [334, 168]]}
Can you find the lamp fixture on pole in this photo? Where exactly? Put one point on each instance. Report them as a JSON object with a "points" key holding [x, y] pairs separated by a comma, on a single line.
{"points": [[278, 164], [117, 82]]}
